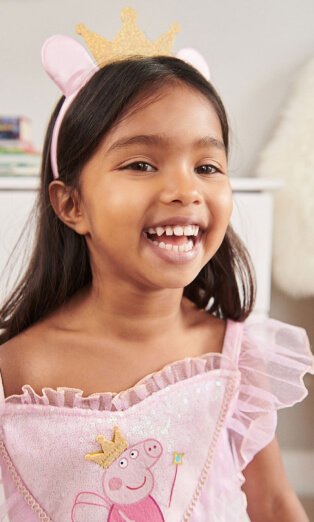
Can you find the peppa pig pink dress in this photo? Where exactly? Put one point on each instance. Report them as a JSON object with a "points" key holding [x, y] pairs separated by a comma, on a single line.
{"points": [[172, 448]]}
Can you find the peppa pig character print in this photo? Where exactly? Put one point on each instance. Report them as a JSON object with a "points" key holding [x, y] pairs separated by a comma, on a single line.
{"points": [[127, 482]]}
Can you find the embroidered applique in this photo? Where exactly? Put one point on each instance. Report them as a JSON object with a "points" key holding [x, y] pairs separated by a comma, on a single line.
{"points": [[127, 481], [185, 409], [111, 450], [177, 461]]}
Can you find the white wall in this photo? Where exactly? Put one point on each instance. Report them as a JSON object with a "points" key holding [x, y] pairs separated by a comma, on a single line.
{"points": [[254, 48]]}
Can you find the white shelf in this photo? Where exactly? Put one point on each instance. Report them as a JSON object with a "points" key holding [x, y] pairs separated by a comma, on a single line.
{"points": [[237, 184], [255, 184], [19, 182]]}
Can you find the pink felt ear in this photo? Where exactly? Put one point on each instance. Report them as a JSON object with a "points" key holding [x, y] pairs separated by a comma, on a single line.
{"points": [[195, 59], [67, 63]]}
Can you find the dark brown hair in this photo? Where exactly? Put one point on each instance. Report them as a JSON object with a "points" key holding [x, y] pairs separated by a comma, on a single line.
{"points": [[225, 286]]}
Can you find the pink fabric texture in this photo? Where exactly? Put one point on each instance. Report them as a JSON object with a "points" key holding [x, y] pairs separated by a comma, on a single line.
{"points": [[191, 428]]}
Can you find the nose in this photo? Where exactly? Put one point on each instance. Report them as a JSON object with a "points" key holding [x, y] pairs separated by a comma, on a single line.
{"points": [[181, 186], [153, 448]]}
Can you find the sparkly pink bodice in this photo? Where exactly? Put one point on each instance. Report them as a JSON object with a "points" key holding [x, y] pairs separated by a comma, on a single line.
{"points": [[188, 430]]}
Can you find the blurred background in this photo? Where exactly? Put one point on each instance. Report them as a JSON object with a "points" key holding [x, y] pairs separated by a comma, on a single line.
{"points": [[256, 51]]}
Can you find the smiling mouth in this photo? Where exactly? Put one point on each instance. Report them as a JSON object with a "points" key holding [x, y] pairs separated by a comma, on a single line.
{"points": [[139, 487], [176, 239], [176, 250]]}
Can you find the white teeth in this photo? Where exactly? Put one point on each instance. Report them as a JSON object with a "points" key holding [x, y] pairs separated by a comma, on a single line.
{"points": [[160, 231], [178, 231], [186, 247], [189, 230]]}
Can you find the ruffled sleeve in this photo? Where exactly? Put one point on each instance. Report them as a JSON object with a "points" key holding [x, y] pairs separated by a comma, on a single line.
{"points": [[273, 358]]}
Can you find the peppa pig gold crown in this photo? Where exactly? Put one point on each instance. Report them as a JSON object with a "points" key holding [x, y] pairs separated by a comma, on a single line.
{"points": [[130, 40], [110, 450]]}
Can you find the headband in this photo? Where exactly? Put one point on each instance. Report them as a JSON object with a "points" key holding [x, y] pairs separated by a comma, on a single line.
{"points": [[70, 66]]}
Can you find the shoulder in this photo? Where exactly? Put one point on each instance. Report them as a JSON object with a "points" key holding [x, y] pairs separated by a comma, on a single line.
{"points": [[24, 359], [208, 331], [269, 335], [270, 348], [39, 354]]}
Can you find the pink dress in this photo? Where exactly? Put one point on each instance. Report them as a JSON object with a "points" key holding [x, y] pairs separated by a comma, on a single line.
{"points": [[172, 448]]}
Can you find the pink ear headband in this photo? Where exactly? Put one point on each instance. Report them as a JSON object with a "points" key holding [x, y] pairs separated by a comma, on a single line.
{"points": [[70, 66]]}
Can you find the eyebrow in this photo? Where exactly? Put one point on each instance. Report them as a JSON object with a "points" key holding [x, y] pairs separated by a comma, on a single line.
{"points": [[159, 139]]}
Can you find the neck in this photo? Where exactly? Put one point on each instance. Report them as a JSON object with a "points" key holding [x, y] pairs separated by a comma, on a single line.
{"points": [[132, 315]]}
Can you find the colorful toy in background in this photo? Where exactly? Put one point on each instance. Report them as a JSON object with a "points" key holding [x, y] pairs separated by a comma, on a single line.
{"points": [[18, 155], [15, 129]]}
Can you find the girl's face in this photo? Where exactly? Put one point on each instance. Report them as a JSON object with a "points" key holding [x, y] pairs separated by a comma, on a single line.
{"points": [[161, 169]]}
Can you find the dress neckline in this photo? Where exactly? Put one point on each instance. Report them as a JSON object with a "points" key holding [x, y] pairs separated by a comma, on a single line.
{"points": [[170, 373]]}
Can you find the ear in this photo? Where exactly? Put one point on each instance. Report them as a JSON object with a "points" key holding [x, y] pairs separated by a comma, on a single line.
{"points": [[67, 63], [66, 203]]}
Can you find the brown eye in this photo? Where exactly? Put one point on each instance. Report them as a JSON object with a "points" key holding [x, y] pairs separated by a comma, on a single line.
{"points": [[207, 169], [140, 165]]}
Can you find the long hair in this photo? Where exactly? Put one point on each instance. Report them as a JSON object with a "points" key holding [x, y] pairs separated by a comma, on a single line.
{"points": [[225, 286]]}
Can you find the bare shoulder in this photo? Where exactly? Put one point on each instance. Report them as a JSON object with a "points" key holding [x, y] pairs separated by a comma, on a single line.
{"points": [[214, 330], [22, 359], [40, 355], [209, 330]]}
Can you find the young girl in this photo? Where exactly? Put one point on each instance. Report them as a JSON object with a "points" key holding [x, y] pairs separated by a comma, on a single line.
{"points": [[135, 388]]}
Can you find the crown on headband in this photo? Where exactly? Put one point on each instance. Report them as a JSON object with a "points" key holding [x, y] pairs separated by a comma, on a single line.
{"points": [[130, 40], [70, 66], [110, 450]]}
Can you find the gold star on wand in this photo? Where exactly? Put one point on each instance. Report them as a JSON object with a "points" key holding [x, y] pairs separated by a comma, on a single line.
{"points": [[177, 458]]}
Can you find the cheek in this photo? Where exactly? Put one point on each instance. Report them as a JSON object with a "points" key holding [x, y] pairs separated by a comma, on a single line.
{"points": [[115, 483], [227, 204], [120, 210], [221, 205]]}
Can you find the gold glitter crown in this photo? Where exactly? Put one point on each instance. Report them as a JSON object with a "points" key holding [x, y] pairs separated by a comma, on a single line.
{"points": [[110, 450], [129, 41]]}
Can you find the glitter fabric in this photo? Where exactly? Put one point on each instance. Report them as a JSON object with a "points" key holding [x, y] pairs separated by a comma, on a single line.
{"points": [[130, 40], [191, 428]]}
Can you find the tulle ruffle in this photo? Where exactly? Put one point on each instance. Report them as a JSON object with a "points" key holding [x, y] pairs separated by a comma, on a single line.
{"points": [[273, 360]]}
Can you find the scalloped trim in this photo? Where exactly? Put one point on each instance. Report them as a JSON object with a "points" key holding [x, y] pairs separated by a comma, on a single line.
{"points": [[20, 486]]}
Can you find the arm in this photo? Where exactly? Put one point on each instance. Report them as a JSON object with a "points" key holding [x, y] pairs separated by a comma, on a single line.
{"points": [[269, 495]]}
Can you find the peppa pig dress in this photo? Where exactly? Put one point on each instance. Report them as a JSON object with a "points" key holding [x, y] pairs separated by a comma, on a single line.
{"points": [[170, 449]]}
